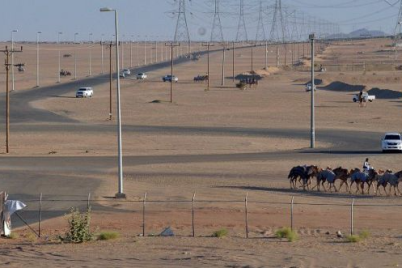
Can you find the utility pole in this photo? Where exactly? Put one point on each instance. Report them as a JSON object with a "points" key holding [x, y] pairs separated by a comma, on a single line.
{"points": [[75, 56], [208, 45], [233, 48], [58, 44], [102, 56], [223, 65], [253, 45], [277, 56], [171, 45], [12, 58], [131, 51], [90, 54], [266, 55], [37, 58], [312, 37], [8, 53]]}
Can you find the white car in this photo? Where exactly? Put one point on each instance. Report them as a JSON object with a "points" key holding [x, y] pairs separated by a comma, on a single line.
{"points": [[84, 92], [391, 142], [142, 76], [365, 96], [309, 86], [126, 71]]}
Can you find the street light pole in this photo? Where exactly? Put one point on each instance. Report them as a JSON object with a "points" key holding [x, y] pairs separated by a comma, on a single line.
{"points": [[120, 193], [12, 59], [37, 58], [312, 37], [131, 51], [75, 56], [58, 44]]}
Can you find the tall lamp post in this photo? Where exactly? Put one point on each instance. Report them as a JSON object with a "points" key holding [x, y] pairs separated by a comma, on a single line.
{"points": [[312, 37], [12, 59], [58, 44], [120, 193], [75, 56], [37, 58]]}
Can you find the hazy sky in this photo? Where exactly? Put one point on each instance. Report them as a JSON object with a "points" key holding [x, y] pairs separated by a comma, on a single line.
{"points": [[155, 19]]}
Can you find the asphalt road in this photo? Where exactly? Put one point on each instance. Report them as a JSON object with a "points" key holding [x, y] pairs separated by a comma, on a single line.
{"points": [[25, 177]]}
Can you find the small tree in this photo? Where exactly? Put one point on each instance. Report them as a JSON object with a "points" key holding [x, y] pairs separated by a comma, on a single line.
{"points": [[79, 224]]}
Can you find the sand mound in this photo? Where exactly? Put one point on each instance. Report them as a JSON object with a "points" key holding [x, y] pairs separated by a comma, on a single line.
{"points": [[341, 86], [385, 93], [272, 70]]}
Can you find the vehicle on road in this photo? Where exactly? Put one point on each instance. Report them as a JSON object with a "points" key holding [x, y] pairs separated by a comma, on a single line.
{"points": [[170, 78], [365, 97], [309, 86], [84, 92], [142, 76], [126, 71], [391, 142]]}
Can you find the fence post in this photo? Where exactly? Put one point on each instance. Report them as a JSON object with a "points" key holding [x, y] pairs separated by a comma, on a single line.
{"points": [[192, 214], [291, 212], [40, 214], [246, 213], [352, 216], [89, 197], [143, 214]]}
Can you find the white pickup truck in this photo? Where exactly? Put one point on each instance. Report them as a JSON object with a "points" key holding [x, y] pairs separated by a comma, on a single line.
{"points": [[365, 96]]}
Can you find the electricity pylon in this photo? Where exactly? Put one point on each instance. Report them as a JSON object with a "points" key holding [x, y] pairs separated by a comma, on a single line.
{"points": [[260, 36], [217, 32], [278, 12], [241, 28], [182, 33]]}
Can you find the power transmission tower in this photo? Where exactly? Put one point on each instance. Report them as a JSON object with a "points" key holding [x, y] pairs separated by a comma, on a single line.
{"points": [[217, 32], [182, 34], [241, 28], [398, 28], [278, 33], [260, 36]]}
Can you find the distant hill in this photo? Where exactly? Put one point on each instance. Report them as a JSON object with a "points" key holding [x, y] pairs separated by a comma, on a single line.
{"points": [[359, 33]]}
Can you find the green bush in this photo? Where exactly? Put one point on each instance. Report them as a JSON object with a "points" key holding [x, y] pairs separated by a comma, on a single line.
{"points": [[220, 233], [357, 238], [287, 233], [353, 238], [79, 227], [364, 234], [108, 235]]}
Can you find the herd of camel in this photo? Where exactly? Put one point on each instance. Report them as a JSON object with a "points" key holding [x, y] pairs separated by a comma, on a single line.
{"points": [[304, 175]]}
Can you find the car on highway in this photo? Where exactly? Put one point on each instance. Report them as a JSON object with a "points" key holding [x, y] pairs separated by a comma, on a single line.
{"points": [[126, 71], [170, 78], [365, 96], [142, 76], [84, 92], [309, 86], [391, 142]]}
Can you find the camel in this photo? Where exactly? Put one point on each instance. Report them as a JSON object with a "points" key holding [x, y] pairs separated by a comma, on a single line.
{"points": [[391, 179], [343, 175], [303, 174], [326, 175], [360, 178]]}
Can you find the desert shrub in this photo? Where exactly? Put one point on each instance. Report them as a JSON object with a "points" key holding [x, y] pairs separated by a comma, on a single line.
{"points": [[79, 224], [353, 238], [108, 235], [364, 234], [287, 233], [13, 236], [220, 233]]}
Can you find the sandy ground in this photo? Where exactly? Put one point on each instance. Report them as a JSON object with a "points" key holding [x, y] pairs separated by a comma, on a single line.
{"points": [[279, 102]]}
